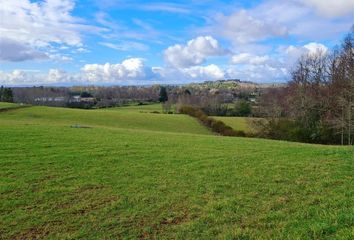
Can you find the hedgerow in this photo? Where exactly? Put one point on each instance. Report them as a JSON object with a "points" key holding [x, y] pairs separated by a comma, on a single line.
{"points": [[215, 125]]}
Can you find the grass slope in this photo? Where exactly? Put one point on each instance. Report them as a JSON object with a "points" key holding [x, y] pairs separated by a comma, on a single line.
{"points": [[6, 105], [119, 118], [237, 123], [104, 182]]}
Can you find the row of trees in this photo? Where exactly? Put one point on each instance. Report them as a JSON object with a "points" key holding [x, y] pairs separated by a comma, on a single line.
{"points": [[104, 96], [211, 101], [317, 105]]}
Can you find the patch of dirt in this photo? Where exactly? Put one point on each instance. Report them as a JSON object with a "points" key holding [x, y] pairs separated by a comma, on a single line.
{"points": [[95, 205], [165, 223], [32, 233]]}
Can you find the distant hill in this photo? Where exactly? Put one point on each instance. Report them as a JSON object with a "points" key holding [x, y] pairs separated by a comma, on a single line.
{"points": [[232, 84]]}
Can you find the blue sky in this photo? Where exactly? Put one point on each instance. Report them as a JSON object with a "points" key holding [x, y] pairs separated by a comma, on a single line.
{"points": [[102, 42]]}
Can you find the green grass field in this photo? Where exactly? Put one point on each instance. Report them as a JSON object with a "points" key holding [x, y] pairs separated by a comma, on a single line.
{"points": [[122, 174], [6, 105], [156, 107], [238, 123]]}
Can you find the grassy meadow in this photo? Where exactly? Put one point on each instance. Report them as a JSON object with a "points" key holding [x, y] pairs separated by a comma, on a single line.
{"points": [[126, 173], [237, 123], [6, 105]]}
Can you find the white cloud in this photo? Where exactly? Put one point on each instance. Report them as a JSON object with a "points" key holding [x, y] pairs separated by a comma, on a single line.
{"points": [[37, 25], [271, 68], [132, 69], [194, 73], [314, 47], [82, 50], [13, 78], [195, 52], [209, 72], [242, 27], [292, 53], [258, 73], [332, 8], [20, 77], [247, 58], [58, 76]]}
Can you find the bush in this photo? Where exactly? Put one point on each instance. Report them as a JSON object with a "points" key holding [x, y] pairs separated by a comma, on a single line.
{"points": [[291, 130]]}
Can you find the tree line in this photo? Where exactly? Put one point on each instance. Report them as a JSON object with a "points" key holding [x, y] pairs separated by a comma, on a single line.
{"points": [[317, 104]]}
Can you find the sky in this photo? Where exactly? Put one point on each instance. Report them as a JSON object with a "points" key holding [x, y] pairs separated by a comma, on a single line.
{"points": [[118, 42]]}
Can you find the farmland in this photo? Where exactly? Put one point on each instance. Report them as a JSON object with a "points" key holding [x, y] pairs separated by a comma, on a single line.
{"points": [[127, 173]]}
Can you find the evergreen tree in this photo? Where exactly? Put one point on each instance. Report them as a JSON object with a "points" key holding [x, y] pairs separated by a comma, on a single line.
{"points": [[6, 94], [163, 94], [1, 92]]}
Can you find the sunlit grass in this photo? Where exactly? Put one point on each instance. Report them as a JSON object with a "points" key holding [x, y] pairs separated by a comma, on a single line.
{"points": [[132, 175]]}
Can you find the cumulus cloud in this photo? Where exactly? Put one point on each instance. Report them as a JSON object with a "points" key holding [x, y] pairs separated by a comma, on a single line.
{"points": [[292, 53], [195, 52], [271, 68], [20, 77], [13, 78], [194, 73], [130, 69], [209, 72], [37, 25]]}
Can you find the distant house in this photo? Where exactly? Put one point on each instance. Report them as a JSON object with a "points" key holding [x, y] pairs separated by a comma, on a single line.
{"points": [[74, 99], [88, 99], [78, 99], [59, 99]]}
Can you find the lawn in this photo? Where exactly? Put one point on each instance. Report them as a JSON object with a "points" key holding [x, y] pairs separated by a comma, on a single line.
{"points": [[132, 175]]}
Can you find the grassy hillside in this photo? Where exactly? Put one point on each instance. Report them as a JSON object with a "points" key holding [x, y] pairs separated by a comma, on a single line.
{"points": [[6, 105], [237, 123], [123, 117], [156, 107], [140, 176]]}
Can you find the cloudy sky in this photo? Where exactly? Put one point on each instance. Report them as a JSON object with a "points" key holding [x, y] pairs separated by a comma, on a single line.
{"points": [[118, 42]]}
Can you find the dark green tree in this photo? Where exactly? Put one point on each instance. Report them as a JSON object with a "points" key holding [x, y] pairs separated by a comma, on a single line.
{"points": [[163, 94], [85, 95], [6, 94], [1, 92], [243, 108]]}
